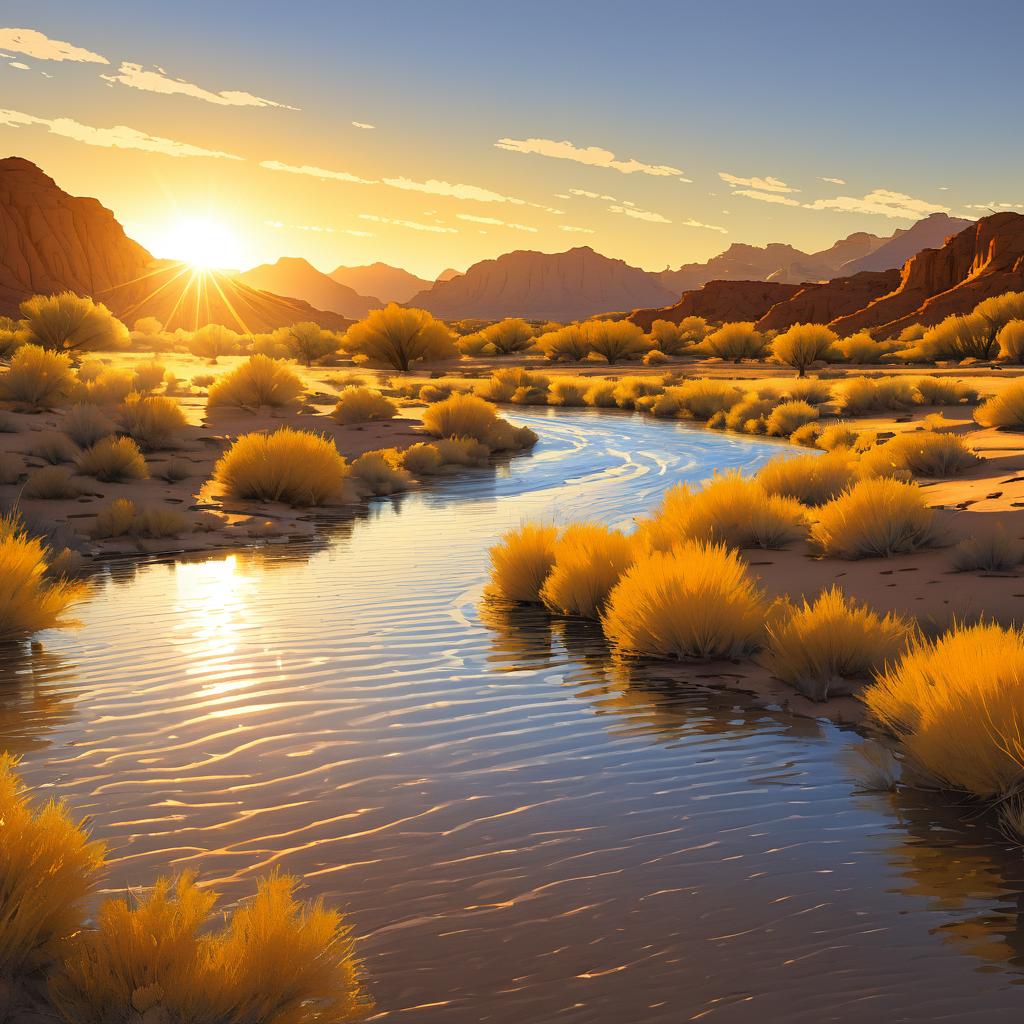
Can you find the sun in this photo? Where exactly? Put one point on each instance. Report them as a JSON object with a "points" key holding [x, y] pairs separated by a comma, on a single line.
{"points": [[203, 243]]}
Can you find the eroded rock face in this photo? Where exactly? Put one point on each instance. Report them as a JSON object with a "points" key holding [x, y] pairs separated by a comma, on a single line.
{"points": [[823, 303], [721, 301], [984, 259], [52, 242], [544, 286]]}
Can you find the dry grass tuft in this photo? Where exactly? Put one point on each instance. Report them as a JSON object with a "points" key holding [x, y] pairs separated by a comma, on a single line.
{"points": [[1004, 411], [735, 341], [37, 378], [148, 377], [876, 518], [810, 479], [836, 435], [422, 459], [694, 602], [827, 648], [363, 405], [876, 394], [378, 471], [293, 466], [568, 391], [924, 453], [109, 386], [115, 519], [957, 706], [113, 459], [86, 424], [701, 399], [787, 416], [53, 447], [155, 422], [992, 550], [51, 483], [521, 561], [463, 451], [11, 468], [588, 561], [259, 381], [461, 416]]}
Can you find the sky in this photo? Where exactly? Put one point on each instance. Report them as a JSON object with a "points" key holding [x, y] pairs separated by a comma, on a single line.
{"points": [[435, 134]]}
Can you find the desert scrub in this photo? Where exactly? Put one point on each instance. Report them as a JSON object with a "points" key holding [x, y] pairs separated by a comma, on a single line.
{"points": [[695, 602], [734, 341], [876, 518], [629, 390], [395, 337], [614, 340], [957, 706], [48, 865], [51, 483], [1005, 410], [362, 405], [521, 561], [831, 646], [588, 561], [944, 391], [113, 459], [924, 453], [422, 459], [992, 550], [876, 394], [148, 377], [37, 378], [786, 417], [69, 322], [807, 435], [507, 336], [53, 447], [109, 386], [568, 391], [86, 424], [750, 415], [213, 341], [862, 348], [11, 468], [728, 509], [378, 472], [259, 381], [115, 519], [30, 599], [803, 345], [1011, 342], [307, 342], [154, 958], [600, 395], [472, 417], [515, 385], [810, 479], [155, 422], [836, 435], [957, 337], [701, 399], [463, 451], [292, 466]]}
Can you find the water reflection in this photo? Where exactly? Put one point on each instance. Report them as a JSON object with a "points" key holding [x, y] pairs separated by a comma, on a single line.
{"points": [[37, 696]]}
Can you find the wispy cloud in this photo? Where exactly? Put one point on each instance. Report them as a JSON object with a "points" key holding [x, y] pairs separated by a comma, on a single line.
{"points": [[317, 228], [360, 124], [994, 206], [35, 44], [768, 184], [594, 156], [767, 197], [118, 137], [575, 230], [881, 202], [411, 224], [834, 181], [495, 222], [136, 77], [445, 188], [638, 214], [700, 224], [316, 172], [591, 195]]}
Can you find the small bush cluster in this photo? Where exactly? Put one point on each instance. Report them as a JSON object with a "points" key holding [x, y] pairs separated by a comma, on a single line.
{"points": [[363, 405], [113, 459], [810, 479], [37, 377], [259, 381], [154, 422]]}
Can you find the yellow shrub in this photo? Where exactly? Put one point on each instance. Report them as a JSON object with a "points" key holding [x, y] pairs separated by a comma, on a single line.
{"points": [[876, 518], [600, 394], [837, 435], [508, 336], [422, 459], [629, 389], [108, 387], [398, 337], [463, 451], [70, 322], [588, 561], [924, 453], [112, 459], [30, 600], [51, 483], [957, 705], [804, 344], [515, 385], [258, 381], [53, 447], [48, 865], [160, 521], [153, 421], [378, 472], [568, 344], [1011, 341], [361, 405], [695, 602], [824, 649], [503, 437], [614, 340], [807, 435], [293, 466], [460, 416], [1004, 411], [307, 342], [875, 394], [943, 391], [213, 341], [86, 424], [735, 341], [729, 509], [701, 399], [521, 561], [37, 378], [148, 376], [115, 519], [990, 551], [811, 479], [567, 391], [787, 416], [862, 348], [749, 409], [434, 392], [655, 358], [811, 390], [957, 337]]}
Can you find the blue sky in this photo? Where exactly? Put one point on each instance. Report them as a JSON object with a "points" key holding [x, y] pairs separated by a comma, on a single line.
{"points": [[918, 101]]}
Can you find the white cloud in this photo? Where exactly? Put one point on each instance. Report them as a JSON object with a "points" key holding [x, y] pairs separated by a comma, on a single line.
{"points": [[994, 206], [136, 77], [412, 224], [575, 230], [495, 221], [118, 137], [648, 215], [882, 202], [593, 156], [767, 197], [768, 184], [316, 172], [21, 67], [701, 224], [834, 181], [591, 195], [34, 44], [360, 124], [444, 188]]}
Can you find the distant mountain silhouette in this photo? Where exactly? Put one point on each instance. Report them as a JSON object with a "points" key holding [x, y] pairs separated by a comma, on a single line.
{"points": [[925, 234], [387, 283], [543, 286], [292, 275], [51, 242], [447, 275]]}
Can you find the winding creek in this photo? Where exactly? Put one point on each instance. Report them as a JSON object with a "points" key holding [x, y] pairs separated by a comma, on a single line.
{"points": [[518, 832]]}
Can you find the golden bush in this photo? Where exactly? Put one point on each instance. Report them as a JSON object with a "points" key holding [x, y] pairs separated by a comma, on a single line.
{"points": [[810, 479], [588, 561], [86, 424], [803, 345], [259, 381], [69, 322], [363, 405], [398, 337], [113, 459], [155, 422], [37, 377], [1005, 410], [521, 561]]}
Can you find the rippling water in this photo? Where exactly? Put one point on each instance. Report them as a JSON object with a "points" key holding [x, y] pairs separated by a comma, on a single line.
{"points": [[518, 832]]}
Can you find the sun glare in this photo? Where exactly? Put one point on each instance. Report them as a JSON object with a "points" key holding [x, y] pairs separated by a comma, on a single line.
{"points": [[202, 243]]}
